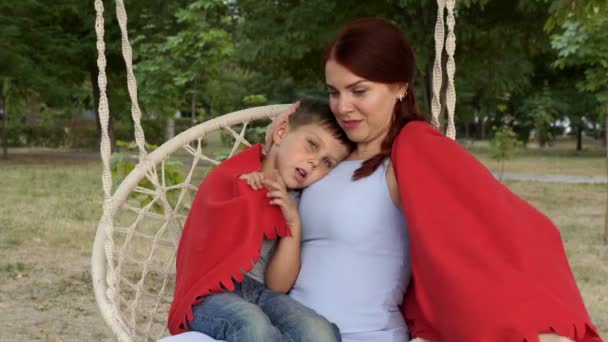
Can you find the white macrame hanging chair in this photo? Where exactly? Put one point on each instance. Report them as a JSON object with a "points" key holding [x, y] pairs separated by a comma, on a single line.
{"points": [[133, 261]]}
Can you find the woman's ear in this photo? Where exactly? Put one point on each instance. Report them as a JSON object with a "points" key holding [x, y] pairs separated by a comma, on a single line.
{"points": [[401, 89]]}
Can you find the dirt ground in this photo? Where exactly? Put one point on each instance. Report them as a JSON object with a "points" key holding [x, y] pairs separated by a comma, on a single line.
{"points": [[50, 298], [48, 213]]}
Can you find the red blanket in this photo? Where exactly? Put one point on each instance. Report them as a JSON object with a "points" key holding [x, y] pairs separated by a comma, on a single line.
{"points": [[487, 266], [223, 235]]}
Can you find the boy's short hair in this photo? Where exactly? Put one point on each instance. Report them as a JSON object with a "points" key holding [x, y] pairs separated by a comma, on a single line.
{"points": [[317, 112]]}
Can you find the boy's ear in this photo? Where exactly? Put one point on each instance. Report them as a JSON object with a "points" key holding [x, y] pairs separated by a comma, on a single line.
{"points": [[273, 125], [280, 130]]}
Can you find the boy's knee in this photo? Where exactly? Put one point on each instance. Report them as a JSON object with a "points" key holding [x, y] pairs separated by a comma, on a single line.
{"points": [[318, 328], [254, 326]]}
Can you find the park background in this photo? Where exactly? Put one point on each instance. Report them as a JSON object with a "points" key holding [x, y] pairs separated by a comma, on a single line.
{"points": [[532, 97]]}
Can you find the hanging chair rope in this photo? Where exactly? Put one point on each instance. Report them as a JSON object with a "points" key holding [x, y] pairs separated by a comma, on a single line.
{"points": [[110, 312], [437, 79], [437, 70], [450, 47], [113, 276], [127, 52]]}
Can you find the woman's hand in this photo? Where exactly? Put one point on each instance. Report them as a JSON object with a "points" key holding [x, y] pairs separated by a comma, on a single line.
{"points": [[553, 338]]}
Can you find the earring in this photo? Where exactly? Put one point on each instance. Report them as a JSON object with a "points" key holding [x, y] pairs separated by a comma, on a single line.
{"points": [[400, 98]]}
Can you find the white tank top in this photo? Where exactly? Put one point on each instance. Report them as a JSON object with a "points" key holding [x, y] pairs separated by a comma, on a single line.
{"points": [[355, 255]]}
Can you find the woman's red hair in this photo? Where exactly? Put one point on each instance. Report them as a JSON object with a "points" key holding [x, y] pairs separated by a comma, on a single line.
{"points": [[376, 50]]}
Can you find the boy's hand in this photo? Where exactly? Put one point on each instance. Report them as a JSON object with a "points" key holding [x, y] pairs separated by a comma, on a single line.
{"points": [[277, 191], [254, 180]]}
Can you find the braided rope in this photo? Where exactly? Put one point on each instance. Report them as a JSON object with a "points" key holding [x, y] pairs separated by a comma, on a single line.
{"points": [[105, 149], [127, 52], [451, 68], [437, 70]]}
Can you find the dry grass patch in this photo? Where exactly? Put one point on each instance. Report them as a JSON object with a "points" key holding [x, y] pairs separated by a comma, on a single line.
{"points": [[578, 211], [49, 209], [558, 159]]}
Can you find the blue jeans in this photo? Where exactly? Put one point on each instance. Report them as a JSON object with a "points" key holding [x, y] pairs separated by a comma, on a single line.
{"points": [[254, 313]]}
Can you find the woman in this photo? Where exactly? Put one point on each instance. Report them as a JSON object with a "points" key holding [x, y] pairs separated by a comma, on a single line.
{"points": [[486, 266]]}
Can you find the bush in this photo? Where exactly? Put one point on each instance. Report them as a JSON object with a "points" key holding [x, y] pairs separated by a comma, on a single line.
{"points": [[183, 124], [39, 135], [80, 136], [154, 130], [255, 133], [83, 134], [13, 134], [123, 131], [503, 146], [173, 175]]}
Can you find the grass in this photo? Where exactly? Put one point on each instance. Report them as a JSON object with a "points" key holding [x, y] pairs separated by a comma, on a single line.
{"points": [[559, 159], [578, 210], [49, 209]]}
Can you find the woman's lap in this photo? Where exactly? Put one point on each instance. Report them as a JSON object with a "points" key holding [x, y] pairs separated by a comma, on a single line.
{"points": [[390, 335], [190, 336]]}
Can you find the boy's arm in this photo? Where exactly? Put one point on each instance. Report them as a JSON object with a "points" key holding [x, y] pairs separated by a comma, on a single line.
{"points": [[284, 265]]}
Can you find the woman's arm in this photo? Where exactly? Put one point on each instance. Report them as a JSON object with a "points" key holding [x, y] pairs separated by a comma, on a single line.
{"points": [[486, 265]]}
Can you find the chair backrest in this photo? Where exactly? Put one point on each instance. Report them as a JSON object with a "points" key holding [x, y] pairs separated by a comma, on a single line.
{"points": [[133, 263]]}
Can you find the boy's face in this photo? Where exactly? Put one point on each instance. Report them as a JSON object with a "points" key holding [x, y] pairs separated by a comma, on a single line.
{"points": [[306, 154]]}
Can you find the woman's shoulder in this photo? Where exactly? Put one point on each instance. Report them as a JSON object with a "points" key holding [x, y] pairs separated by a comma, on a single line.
{"points": [[423, 142], [418, 128], [417, 134]]}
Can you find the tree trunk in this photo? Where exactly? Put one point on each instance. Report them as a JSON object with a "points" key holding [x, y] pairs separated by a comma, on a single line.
{"points": [[207, 112], [425, 14], [502, 170], [4, 129], [579, 135], [95, 86], [169, 129], [194, 116], [606, 216], [443, 114], [428, 86]]}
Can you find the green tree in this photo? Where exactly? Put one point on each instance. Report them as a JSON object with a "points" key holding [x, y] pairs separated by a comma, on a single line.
{"points": [[178, 69], [503, 146], [500, 44], [496, 44], [37, 51], [540, 112], [581, 40]]}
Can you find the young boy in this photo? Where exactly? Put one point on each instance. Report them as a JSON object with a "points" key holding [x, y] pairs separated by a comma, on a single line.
{"points": [[234, 226]]}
